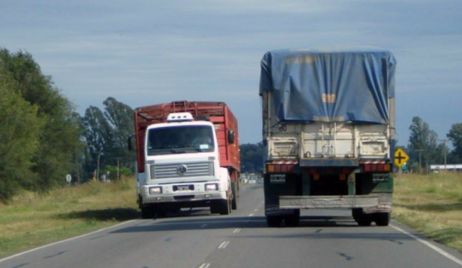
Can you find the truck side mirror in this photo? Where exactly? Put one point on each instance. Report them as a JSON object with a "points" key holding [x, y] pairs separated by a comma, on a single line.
{"points": [[130, 143], [231, 136]]}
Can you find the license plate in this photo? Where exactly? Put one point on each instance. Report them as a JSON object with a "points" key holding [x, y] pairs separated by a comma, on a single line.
{"points": [[183, 188], [277, 179], [379, 177]]}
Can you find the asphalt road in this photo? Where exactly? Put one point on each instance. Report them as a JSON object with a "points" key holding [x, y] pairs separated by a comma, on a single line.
{"points": [[197, 239]]}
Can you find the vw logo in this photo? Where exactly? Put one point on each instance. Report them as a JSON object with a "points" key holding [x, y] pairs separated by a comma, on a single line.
{"points": [[181, 170]]}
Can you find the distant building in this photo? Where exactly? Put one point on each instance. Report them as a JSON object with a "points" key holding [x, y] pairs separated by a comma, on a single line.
{"points": [[453, 168]]}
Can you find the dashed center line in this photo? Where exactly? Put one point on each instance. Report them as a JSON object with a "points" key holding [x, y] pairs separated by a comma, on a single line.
{"points": [[223, 245], [204, 265]]}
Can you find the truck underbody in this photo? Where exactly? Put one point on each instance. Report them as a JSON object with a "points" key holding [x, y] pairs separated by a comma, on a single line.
{"points": [[368, 194]]}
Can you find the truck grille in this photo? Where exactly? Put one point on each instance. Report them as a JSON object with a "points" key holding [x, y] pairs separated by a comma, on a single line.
{"points": [[191, 169]]}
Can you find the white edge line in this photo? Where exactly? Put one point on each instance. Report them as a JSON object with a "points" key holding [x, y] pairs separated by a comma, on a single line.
{"points": [[65, 240], [430, 245]]}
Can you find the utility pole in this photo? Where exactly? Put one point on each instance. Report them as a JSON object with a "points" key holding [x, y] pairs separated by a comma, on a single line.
{"points": [[445, 152], [97, 165], [445, 156], [420, 159], [118, 169]]}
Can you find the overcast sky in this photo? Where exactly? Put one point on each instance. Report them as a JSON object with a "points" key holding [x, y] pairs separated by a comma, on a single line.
{"points": [[147, 52]]}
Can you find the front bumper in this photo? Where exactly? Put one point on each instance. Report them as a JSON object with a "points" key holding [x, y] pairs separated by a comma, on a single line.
{"points": [[171, 193]]}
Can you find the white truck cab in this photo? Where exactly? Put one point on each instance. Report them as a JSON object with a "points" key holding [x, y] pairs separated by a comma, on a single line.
{"points": [[182, 168]]}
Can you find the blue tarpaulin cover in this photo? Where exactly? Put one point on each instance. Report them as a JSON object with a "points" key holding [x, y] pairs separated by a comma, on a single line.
{"points": [[321, 86]]}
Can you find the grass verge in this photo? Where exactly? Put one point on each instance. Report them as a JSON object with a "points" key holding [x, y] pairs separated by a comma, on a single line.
{"points": [[432, 205], [32, 220]]}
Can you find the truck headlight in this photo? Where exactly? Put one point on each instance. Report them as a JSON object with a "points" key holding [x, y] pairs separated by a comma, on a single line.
{"points": [[211, 187], [155, 190]]}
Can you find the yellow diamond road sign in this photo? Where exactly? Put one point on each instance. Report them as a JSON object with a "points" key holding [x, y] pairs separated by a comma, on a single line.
{"points": [[401, 157]]}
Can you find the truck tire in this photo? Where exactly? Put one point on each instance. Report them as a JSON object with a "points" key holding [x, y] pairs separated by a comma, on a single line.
{"points": [[222, 207], [364, 221], [273, 221], [294, 219], [235, 195], [382, 219], [361, 218], [160, 211], [225, 207], [214, 207], [147, 212]]}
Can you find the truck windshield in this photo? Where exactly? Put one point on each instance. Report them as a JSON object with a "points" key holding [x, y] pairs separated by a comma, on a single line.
{"points": [[180, 139]]}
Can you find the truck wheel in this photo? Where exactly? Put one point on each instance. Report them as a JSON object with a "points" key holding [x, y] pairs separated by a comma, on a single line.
{"points": [[294, 219], [225, 207], [222, 207], [147, 212], [235, 195], [160, 211], [364, 221], [361, 218], [382, 219], [273, 221], [214, 207]]}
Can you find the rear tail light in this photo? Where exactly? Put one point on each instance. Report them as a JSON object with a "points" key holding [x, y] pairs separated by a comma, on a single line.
{"points": [[280, 168], [382, 167]]}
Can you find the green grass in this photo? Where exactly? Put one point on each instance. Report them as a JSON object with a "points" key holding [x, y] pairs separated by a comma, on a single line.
{"points": [[31, 219], [431, 204]]}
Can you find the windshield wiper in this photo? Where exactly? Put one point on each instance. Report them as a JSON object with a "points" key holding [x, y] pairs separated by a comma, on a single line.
{"points": [[177, 151]]}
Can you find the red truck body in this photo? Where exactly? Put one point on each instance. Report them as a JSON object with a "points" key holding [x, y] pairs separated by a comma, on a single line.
{"points": [[216, 112]]}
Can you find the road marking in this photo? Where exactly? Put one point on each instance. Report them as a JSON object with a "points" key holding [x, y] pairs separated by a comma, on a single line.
{"points": [[204, 265], [237, 230], [255, 210], [66, 240], [223, 245], [251, 215], [430, 245]]}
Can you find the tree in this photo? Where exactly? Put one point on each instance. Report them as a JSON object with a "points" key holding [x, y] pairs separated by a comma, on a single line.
{"points": [[251, 157], [455, 136], [19, 135], [106, 135], [423, 144], [97, 135], [120, 118], [59, 139]]}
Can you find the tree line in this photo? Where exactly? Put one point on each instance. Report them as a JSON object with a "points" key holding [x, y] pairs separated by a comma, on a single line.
{"points": [[39, 129], [43, 138], [426, 148]]}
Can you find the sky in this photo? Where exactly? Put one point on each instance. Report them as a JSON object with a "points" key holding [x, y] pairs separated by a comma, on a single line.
{"points": [[154, 51]]}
